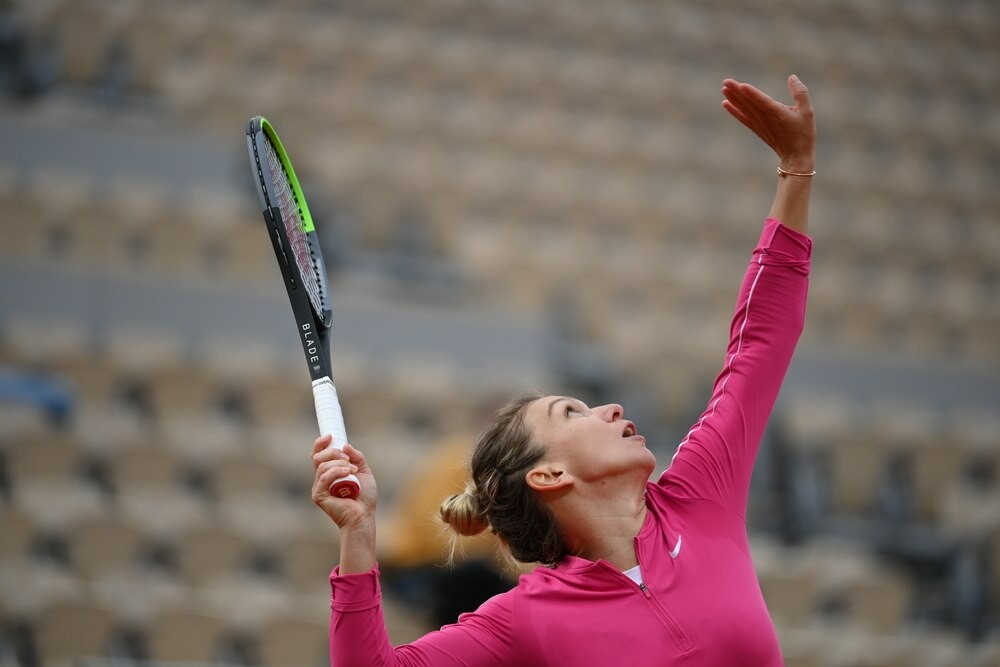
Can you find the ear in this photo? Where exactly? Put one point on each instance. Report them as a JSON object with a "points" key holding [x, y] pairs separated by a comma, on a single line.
{"points": [[548, 477]]}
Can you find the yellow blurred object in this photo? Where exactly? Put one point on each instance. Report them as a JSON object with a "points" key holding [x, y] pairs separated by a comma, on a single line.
{"points": [[415, 534]]}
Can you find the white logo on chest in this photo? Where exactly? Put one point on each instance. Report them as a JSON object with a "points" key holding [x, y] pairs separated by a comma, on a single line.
{"points": [[677, 547]]}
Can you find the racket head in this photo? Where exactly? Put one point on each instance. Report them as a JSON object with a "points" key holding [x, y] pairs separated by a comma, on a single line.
{"points": [[281, 198]]}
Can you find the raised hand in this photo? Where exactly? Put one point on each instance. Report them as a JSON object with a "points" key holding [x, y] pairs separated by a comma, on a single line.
{"points": [[330, 464], [790, 131]]}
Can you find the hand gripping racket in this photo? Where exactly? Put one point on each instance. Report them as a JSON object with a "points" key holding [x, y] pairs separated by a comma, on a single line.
{"points": [[296, 247]]}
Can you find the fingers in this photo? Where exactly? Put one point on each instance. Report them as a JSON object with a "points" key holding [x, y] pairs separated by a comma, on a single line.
{"points": [[353, 455], [752, 108], [749, 109], [327, 473], [321, 443], [322, 451], [737, 114], [344, 466], [324, 454], [757, 94], [786, 129]]}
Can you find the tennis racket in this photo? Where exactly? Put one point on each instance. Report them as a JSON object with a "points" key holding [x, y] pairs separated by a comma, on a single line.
{"points": [[296, 247]]}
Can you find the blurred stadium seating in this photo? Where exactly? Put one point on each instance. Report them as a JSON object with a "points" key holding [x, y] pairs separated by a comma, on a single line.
{"points": [[563, 164]]}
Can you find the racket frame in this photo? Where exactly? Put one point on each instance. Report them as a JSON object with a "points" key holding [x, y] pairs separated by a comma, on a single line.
{"points": [[313, 328]]}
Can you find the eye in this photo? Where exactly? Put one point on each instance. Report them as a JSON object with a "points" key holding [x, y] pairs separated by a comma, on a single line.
{"points": [[571, 410]]}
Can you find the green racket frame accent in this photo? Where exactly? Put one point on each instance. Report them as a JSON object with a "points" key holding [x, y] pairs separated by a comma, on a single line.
{"points": [[304, 215]]}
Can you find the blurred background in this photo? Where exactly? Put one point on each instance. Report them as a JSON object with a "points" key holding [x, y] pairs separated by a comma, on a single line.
{"points": [[513, 196]]}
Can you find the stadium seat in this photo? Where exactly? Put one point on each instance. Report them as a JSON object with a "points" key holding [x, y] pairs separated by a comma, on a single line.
{"points": [[23, 240], [115, 559], [286, 443], [289, 642], [185, 636], [248, 257], [206, 552], [28, 586], [183, 391], [153, 468], [278, 397], [247, 601], [49, 485], [873, 650], [166, 247], [18, 533], [201, 438], [142, 351], [69, 632], [241, 361], [150, 39], [792, 593], [45, 341], [163, 513], [100, 545], [879, 602], [856, 466], [306, 561], [980, 336], [244, 473], [936, 468], [265, 519], [805, 647], [976, 430], [84, 32]]}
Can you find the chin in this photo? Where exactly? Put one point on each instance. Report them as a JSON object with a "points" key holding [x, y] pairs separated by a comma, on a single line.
{"points": [[649, 462]]}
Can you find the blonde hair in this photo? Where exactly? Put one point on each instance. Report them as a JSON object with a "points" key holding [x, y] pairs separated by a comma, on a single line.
{"points": [[461, 512], [498, 496]]}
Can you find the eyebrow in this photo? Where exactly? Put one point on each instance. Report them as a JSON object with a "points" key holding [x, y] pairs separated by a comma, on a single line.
{"points": [[554, 401]]}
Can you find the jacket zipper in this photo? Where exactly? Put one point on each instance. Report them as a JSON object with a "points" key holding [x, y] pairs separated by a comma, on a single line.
{"points": [[682, 639], [666, 618]]}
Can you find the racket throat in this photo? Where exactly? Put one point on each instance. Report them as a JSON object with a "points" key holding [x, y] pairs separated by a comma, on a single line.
{"points": [[312, 345]]}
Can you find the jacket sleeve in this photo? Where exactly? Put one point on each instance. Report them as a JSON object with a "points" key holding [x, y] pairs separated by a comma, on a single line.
{"points": [[358, 636], [715, 459]]}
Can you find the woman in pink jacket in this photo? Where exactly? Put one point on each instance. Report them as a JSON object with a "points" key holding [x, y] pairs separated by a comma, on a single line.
{"points": [[632, 572]]}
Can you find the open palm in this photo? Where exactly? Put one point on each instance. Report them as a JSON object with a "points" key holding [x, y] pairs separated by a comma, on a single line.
{"points": [[790, 131]]}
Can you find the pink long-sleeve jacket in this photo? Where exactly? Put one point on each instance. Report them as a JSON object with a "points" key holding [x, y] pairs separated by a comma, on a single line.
{"points": [[700, 602]]}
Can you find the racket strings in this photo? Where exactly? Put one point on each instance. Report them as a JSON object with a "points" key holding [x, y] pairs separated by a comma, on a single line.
{"points": [[302, 250]]}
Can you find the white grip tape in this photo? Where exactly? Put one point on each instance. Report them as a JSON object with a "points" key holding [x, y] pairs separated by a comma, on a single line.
{"points": [[331, 419]]}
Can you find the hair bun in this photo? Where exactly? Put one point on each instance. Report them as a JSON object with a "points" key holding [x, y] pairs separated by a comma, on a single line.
{"points": [[461, 512]]}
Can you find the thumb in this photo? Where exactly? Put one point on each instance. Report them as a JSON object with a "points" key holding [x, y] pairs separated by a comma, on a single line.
{"points": [[800, 94]]}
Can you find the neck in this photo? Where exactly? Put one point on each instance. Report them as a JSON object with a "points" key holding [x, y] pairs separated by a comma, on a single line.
{"points": [[602, 528]]}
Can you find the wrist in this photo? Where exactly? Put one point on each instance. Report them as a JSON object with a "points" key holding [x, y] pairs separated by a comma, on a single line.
{"points": [[798, 164], [359, 530], [357, 548]]}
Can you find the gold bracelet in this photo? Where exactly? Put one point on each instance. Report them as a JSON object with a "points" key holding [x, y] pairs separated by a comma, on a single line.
{"points": [[782, 172]]}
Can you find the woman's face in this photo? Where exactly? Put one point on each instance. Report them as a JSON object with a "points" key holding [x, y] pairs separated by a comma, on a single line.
{"points": [[590, 443]]}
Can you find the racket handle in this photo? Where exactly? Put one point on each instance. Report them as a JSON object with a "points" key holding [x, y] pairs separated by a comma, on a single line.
{"points": [[331, 422]]}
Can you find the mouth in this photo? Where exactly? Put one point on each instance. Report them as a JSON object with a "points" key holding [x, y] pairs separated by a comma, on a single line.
{"points": [[629, 430]]}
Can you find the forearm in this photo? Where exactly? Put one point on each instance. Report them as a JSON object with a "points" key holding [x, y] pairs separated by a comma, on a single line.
{"points": [[716, 458], [357, 548], [766, 325], [358, 635]]}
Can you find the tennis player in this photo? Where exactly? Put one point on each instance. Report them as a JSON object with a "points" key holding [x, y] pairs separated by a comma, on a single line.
{"points": [[631, 572]]}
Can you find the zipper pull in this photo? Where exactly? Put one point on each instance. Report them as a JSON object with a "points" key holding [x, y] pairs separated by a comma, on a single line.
{"points": [[645, 591]]}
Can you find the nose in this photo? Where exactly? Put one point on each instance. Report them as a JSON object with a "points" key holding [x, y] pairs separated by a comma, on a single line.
{"points": [[611, 412]]}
